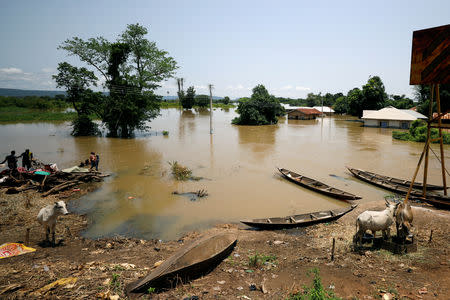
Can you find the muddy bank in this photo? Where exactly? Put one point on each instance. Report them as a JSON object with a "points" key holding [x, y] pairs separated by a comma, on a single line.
{"points": [[96, 268]]}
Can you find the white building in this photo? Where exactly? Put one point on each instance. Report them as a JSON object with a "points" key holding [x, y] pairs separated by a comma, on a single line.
{"points": [[326, 110], [390, 117]]}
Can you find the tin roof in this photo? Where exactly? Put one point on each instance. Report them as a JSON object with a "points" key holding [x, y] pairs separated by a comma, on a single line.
{"points": [[392, 113], [326, 109], [308, 111]]}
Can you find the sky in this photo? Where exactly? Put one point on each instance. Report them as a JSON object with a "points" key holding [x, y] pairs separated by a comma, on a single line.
{"points": [[292, 47]]}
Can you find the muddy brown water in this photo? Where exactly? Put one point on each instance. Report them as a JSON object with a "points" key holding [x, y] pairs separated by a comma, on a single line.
{"points": [[238, 164]]}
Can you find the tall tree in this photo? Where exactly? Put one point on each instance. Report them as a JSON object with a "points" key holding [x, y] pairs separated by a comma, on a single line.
{"points": [[76, 81], [132, 68], [188, 100], [374, 94]]}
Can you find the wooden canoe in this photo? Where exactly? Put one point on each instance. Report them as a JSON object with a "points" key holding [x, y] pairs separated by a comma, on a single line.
{"points": [[317, 186], [397, 181], [299, 220], [192, 260], [396, 188], [437, 203]]}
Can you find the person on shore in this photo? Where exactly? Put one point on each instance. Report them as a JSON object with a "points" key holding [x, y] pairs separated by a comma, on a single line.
{"points": [[27, 157], [12, 160], [93, 158]]}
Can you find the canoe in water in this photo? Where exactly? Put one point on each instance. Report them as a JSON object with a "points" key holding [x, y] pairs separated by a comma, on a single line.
{"points": [[299, 220], [317, 186], [198, 257], [440, 199], [395, 181]]}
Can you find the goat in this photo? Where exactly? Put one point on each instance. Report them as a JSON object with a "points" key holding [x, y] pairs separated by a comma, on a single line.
{"points": [[375, 221], [48, 215]]}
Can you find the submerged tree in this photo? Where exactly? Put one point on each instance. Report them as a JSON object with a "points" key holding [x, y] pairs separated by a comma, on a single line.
{"points": [[260, 109], [188, 100], [76, 81], [132, 69]]}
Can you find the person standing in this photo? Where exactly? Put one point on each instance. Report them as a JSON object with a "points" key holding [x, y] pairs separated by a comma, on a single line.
{"points": [[27, 157], [12, 160], [93, 158]]}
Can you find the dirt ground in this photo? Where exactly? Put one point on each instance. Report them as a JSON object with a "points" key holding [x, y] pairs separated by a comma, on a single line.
{"points": [[102, 268]]}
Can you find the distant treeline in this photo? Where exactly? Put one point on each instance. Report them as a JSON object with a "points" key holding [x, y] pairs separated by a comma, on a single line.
{"points": [[35, 102]]}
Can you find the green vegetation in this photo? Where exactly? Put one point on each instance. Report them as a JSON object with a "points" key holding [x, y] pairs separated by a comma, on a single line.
{"points": [[260, 109], [151, 290], [165, 133], [418, 133], [187, 101], [180, 172], [314, 292], [202, 100], [34, 102], [115, 282], [16, 114], [131, 68], [259, 259]]}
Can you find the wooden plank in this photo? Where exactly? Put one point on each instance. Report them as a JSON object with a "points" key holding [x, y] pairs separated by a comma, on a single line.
{"points": [[430, 58]]}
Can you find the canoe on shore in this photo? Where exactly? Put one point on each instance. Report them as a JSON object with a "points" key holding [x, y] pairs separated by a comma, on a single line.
{"points": [[299, 220], [190, 261], [396, 188], [317, 186], [397, 181]]}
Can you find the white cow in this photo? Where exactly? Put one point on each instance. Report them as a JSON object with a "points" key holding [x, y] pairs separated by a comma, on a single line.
{"points": [[48, 215], [375, 221]]}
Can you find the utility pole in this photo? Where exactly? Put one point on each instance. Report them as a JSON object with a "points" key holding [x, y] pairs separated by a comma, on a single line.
{"points": [[210, 108]]}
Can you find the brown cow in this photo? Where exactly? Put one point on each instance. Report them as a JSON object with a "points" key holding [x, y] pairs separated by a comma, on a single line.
{"points": [[403, 220]]}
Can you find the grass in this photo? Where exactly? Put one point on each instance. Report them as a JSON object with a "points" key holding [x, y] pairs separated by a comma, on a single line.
{"points": [[181, 172], [115, 281], [315, 291], [151, 290], [16, 114], [165, 133], [260, 259]]}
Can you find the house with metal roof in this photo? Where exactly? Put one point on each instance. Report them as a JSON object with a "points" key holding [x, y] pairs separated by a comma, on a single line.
{"points": [[325, 109], [391, 117], [303, 113]]}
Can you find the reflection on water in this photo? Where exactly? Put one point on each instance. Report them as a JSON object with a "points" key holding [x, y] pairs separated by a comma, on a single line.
{"points": [[238, 163]]}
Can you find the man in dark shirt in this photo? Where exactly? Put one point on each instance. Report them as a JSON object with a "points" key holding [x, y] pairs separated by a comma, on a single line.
{"points": [[27, 156], [12, 160]]}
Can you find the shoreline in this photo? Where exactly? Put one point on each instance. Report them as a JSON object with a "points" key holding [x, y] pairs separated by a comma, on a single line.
{"points": [[103, 267]]}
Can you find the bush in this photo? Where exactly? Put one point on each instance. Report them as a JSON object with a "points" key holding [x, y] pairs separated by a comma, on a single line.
{"points": [[401, 135], [314, 292], [202, 100]]}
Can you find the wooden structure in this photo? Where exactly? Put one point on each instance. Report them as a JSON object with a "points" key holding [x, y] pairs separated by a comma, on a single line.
{"points": [[430, 64], [317, 186], [299, 220], [200, 256], [303, 114]]}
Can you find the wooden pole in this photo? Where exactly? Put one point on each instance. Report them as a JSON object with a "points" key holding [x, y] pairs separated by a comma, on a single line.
{"points": [[441, 141], [332, 250], [430, 117], [210, 108], [417, 170]]}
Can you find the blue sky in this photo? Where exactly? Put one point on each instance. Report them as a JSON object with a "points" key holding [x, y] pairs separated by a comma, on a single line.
{"points": [[292, 47]]}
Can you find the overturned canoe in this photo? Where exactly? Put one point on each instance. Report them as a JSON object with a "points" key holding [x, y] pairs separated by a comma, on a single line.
{"points": [[299, 220], [396, 188], [192, 260], [396, 181], [317, 186]]}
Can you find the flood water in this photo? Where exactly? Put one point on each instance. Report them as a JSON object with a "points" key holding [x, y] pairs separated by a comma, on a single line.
{"points": [[238, 164]]}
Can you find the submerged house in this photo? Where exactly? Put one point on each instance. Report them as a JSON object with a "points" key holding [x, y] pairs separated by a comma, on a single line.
{"points": [[303, 114], [391, 117], [326, 110]]}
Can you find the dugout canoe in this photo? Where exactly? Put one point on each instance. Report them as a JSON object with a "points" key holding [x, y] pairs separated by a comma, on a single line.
{"points": [[397, 181], [299, 220], [396, 188], [192, 260], [317, 186]]}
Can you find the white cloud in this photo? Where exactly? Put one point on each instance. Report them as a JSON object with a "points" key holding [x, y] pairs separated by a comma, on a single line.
{"points": [[237, 87], [302, 88], [48, 70], [11, 70], [200, 87], [286, 88]]}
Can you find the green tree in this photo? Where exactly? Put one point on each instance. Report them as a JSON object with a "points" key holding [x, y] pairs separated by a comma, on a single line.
{"points": [[76, 81], [202, 100], [260, 109], [226, 100], [132, 68], [188, 100], [374, 95], [355, 102], [341, 105], [400, 102]]}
